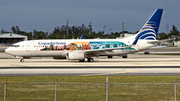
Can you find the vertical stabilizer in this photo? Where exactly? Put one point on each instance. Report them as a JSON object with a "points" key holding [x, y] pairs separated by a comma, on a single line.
{"points": [[82, 37], [150, 29]]}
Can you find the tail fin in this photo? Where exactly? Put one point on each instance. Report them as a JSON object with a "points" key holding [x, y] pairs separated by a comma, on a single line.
{"points": [[82, 37], [150, 29]]}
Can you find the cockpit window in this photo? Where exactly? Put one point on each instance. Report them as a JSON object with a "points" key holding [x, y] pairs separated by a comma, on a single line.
{"points": [[15, 45]]}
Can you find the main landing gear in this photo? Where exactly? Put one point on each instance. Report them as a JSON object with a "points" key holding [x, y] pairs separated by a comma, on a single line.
{"points": [[90, 60], [81, 60], [110, 56], [124, 56], [22, 60]]}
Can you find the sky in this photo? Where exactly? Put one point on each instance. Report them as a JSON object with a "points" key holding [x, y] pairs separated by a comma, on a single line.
{"points": [[44, 15]]}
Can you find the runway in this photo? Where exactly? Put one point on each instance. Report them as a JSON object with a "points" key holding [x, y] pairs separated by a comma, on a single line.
{"points": [[135, 64], [132, 60], [88, 71]]}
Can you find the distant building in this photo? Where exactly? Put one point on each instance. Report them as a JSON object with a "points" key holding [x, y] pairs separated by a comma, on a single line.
{"points": [[128, 35], [175, 36], [125, 35], [177, 43], [7, 39]]}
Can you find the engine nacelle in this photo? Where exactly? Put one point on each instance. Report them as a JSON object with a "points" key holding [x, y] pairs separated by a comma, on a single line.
{"points": [[75, 56], [59, 57]]}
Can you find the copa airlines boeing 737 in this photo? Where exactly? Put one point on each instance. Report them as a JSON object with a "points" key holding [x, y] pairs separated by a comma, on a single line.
{"points": [[87, 48]]}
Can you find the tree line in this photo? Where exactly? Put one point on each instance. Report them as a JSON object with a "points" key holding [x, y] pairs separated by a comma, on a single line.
{"points": [[77, 31], [174, 33]]}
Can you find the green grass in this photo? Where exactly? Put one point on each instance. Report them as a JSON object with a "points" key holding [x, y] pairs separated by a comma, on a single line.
{"points": [[89, 88]]}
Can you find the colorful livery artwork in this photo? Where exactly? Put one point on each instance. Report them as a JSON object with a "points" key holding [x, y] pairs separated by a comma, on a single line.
{"points": [[85, 45]]}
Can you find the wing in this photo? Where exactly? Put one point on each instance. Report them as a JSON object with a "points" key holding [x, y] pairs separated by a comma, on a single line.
{"points": [[97, 51]]}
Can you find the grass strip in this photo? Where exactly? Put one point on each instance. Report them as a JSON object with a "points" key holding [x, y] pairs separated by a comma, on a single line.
{"points": [[88, 88]]}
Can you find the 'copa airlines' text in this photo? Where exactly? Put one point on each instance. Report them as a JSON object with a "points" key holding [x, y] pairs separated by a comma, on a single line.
{"points": [[51, 43]]}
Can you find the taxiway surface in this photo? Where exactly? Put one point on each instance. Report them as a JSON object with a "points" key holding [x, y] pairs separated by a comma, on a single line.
{"points": [[132, 60], [135, 64]]}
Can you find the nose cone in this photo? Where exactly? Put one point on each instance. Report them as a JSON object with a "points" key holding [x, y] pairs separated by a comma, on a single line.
{"points": [[9, 51], [6, 50]]}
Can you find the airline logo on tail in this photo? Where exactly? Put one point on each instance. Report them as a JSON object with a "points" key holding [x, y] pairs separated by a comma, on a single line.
{"points": [[150, 30]]}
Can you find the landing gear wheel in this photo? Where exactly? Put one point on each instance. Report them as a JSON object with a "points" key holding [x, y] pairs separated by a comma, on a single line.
{"points": [[22, 60], [110, 56], [81, 60], [146, 52], [90, 60], [124, 56]]}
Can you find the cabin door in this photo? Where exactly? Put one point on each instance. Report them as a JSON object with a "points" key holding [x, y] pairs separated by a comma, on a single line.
{"points": [[28, 46]]}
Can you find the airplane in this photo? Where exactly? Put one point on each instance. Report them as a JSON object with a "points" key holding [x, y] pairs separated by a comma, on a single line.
{"points": [[82, 49]]}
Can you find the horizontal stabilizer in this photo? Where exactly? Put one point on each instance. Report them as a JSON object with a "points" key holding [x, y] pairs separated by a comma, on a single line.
{"points": [[158, 41]]}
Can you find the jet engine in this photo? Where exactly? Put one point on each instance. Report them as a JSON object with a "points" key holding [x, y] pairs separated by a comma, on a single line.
{"points": [[75, 56]]}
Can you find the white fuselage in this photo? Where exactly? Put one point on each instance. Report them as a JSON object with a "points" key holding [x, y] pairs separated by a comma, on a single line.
{"points": [[59, 48]]}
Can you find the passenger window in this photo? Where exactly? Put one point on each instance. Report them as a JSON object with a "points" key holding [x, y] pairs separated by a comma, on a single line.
{"points": [[15, 45]]}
